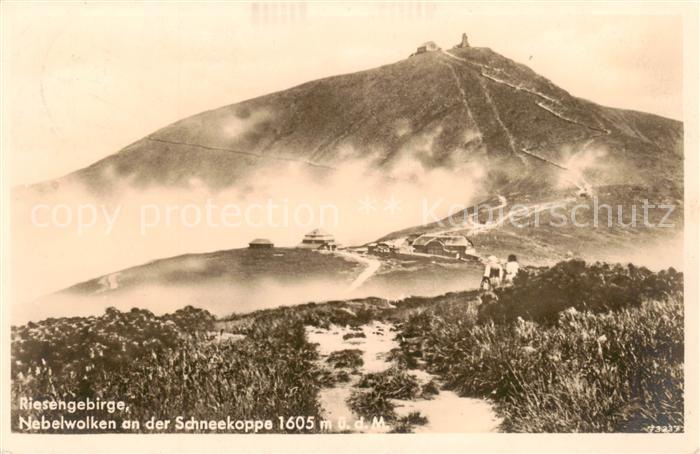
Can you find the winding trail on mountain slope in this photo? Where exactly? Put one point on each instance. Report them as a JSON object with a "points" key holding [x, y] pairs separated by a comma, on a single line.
{"points": [[521, 88], [525, 211], [573, 177], [570, 120], [463, 96], [501, 81], [247, 153], [490, 102], [372, 267], [108, 282], [576, 178], [469, 222], [527, 90]]}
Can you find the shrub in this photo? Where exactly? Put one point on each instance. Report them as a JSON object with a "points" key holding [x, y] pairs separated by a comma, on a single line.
{"points": [[371, 404], [328, 378], [161, 371], [405, 424], [191, 320], [394, 383], [542, 294], [342, 376], [349, 358], [585, 372], [430, 389]]}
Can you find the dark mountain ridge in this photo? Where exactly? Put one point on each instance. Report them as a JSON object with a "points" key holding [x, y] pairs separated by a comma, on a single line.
{"points": [[442, 109]]}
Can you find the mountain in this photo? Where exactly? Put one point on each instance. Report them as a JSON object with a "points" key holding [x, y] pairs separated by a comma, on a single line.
{"points": [[451, 111], [442, 109]]}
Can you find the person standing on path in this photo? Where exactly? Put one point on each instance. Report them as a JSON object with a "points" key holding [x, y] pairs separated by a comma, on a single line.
{"points": [[493, 273], [512, 268]]}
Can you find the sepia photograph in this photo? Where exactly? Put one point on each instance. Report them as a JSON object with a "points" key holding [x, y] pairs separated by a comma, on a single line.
{"points": [[384, 226]]}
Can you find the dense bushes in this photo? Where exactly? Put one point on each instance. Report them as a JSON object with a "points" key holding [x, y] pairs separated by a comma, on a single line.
{"points": [[541, 294], [353, 313], [565, 370], [163, 367], [394, 383], [191, 320], [576, 347]]}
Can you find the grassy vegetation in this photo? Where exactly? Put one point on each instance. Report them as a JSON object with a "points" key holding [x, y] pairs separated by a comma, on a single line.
{"points": [[354, 335], [616, 366], [405, 424], [540, 294], [352, 313], [394, 383], [374, 393], [328, 378], [372, 404], [350, 358], [571, 348], [163, 369], [430, 389]]}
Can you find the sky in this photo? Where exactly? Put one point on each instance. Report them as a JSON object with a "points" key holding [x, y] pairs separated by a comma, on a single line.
{"points": [[82, 80]]}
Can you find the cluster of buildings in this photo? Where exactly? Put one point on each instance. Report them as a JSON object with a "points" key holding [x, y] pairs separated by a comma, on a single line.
{"points": [[430, 46], [447, 245], [316, 239], [441, 244]]}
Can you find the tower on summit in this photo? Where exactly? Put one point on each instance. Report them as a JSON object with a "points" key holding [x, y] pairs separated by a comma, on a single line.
{"points": [[465, 41]]}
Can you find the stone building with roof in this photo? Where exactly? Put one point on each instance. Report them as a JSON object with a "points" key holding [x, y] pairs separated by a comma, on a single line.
{"points": [[428, 46], [318, 239], [457, 246]]}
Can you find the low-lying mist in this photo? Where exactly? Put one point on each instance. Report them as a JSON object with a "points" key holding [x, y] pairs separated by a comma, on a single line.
{"points": [[71, 235], [219, 299], [223, 299], [658, 255]]}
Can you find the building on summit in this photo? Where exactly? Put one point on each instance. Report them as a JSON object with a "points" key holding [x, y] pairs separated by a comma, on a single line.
{"points": [[429, 46]]}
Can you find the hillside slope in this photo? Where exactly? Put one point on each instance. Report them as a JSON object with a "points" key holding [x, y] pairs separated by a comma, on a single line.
{"points": [[235, 280], [439, 109], [449, 115]]}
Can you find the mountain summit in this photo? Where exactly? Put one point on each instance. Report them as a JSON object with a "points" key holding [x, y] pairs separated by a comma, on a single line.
{"points": [[458, 124], [438, 108]]}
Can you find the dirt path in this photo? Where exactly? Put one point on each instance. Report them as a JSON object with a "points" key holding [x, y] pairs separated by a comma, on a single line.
{"points": [[474, 227], [446, 412], [375, 346], [372, 267], [573, 177], [462, 96], [108, 282]]}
